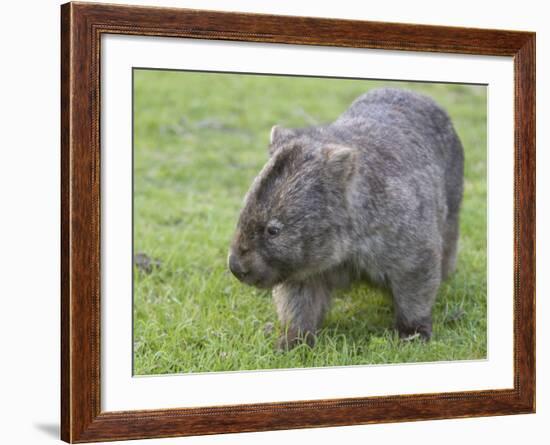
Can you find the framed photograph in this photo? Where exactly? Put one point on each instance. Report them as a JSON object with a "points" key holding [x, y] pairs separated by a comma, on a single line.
{"points": [[274, 222]]}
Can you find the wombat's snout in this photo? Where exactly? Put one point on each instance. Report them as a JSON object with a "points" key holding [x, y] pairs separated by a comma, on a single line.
{"points": [[250, 269], [237, 267]]}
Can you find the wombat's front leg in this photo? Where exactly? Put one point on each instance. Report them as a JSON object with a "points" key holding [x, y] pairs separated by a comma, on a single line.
{"points": [[301, 307], [414, 294]]}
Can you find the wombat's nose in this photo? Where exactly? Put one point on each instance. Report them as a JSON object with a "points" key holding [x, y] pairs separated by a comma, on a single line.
{"points": [[236, 268]]}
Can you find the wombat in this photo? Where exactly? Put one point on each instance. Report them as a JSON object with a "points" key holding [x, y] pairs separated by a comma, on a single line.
{"points": [[374, 195]]}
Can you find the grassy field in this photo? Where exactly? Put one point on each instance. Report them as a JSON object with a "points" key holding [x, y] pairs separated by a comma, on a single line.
{"points": [[199, 140]]}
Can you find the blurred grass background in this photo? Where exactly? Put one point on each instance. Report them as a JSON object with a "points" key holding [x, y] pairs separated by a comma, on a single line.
{"points": [[199, 140]]}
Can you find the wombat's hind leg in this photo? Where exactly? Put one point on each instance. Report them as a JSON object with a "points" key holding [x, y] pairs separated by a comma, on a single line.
{"points": [[414, 294], [301, 308]]}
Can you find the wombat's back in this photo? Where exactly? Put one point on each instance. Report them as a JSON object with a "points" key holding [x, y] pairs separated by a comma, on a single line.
{"points": [[412, 128]]}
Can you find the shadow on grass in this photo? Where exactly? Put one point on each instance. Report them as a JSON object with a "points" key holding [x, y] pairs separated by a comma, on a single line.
{"points": [[359, 323]]}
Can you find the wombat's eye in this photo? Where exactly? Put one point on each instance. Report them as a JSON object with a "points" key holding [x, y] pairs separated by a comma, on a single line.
{"points": [[272, 230]]}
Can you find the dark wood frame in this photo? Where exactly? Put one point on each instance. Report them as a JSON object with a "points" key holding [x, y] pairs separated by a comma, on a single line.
{"points": [[82, 25]]}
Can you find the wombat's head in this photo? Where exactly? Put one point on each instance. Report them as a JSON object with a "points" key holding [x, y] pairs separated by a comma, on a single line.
{"points": [[293, 221]]}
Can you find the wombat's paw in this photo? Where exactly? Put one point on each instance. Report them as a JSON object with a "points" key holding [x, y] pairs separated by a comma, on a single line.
{"points": [[289, 341], [411, 337], [421, 330]]}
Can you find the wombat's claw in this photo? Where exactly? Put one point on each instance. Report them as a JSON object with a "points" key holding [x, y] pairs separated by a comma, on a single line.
{"points": [[286, 343], [421, 330], [411, 337], [283, 344]]}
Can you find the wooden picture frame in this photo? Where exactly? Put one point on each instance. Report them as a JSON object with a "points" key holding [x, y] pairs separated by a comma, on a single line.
{"points": [[82, 25]]}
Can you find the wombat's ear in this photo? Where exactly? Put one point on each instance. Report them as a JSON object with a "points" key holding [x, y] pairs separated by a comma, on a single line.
{"points": [[278, 136], [340, 160]]}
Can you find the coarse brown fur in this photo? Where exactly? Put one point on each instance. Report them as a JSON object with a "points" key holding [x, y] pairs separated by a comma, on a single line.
{"points": [[375, 194]]}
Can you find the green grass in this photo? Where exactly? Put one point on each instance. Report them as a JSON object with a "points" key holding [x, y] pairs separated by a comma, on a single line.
{"points": [[199, 140]]}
